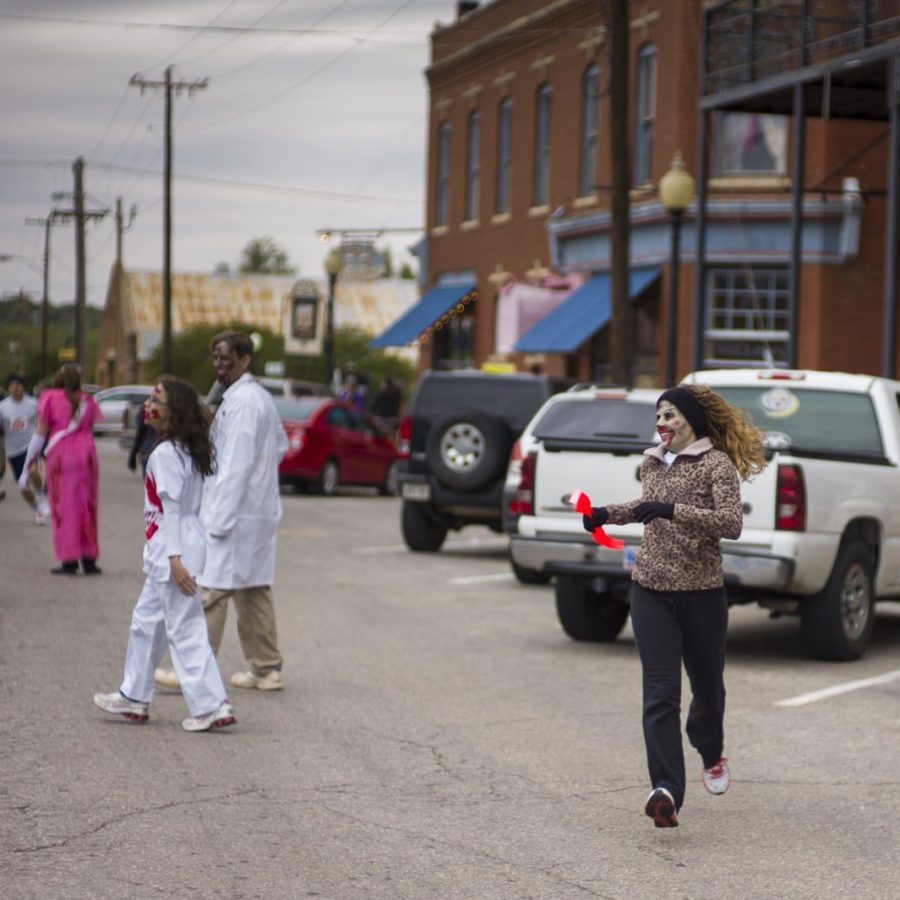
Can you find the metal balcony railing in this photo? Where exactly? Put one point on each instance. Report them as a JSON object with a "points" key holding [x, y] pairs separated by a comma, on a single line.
{"points": [[748, 40]]}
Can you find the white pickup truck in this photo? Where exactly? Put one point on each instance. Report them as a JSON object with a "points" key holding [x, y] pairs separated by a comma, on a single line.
{"points": [[821, 524]]}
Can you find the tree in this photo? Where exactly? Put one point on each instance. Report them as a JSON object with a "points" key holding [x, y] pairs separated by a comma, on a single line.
{"points": [[262, 256]]}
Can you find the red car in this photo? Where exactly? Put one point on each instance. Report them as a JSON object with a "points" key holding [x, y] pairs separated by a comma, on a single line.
{"points": [[331, 443]]}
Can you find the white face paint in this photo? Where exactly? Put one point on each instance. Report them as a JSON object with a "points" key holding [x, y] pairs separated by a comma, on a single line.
{"points": [[674, 430]]}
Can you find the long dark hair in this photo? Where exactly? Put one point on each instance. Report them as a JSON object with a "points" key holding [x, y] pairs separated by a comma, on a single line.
{"points": [[69, 380], [189, 422]]}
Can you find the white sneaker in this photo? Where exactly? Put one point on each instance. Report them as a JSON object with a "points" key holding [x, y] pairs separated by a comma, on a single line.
{"points": [[42, 516], [119, 705], [717, 777], [167, 678], [218, 718], [271, 681]]}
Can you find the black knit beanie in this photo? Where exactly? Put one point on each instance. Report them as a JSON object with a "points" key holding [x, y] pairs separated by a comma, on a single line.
{"points": [[689, 406]]}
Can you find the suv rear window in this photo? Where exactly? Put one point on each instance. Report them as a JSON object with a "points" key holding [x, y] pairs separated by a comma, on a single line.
{"points": [[605, 421], [826, 422], [511, 400]]}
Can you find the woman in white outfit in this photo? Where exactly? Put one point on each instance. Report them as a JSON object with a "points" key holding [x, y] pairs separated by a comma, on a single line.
{"points": [[169, 607]]}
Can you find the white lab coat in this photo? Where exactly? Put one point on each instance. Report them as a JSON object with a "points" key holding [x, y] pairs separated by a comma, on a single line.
{"points": [[241, 504]]}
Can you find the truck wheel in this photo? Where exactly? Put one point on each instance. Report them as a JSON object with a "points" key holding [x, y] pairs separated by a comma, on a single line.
{"points": [[422, 532], [529, 576], [588, 615], [837, 623], [466, 450]]}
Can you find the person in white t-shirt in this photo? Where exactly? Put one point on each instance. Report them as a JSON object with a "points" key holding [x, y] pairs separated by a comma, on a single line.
{"points": [[18, 414], [169, 609]]}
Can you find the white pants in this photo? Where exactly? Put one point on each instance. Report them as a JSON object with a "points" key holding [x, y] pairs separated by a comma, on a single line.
{"points": [[162, 612]]}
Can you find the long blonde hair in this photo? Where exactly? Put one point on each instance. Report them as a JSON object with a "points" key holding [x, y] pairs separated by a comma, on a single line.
{"points": [[731, 431]]}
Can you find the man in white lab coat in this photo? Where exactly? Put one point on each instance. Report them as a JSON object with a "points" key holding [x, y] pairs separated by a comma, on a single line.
{"points": [[240, 512]]}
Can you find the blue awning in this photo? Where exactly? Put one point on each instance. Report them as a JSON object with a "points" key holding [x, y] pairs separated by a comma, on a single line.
{"points": [[581, 315], [427, 311]]}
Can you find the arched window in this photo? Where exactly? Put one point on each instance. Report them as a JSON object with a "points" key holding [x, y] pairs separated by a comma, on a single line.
{"points": [[542, 146], [590, 129], [504, 155], [443, 186], [473, 165], [646, 114]]}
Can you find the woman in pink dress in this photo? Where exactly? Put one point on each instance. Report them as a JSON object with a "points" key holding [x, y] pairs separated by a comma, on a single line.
{"points": [[66, 417]]}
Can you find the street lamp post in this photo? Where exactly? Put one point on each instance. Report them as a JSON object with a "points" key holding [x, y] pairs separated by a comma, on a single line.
{"points": [[333, 263], [676, 192]]}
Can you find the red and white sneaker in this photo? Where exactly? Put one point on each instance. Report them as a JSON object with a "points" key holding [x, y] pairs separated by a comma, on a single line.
{"points": [[218, 718], [717, 777], [119, 705], [660, 806]]}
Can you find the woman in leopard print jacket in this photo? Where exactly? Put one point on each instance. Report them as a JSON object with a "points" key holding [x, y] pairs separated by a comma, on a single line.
{"points": [[679, 611]]}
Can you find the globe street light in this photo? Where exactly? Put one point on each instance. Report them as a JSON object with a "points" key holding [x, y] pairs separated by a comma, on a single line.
{"points": [[333, 264], [676, 192]]}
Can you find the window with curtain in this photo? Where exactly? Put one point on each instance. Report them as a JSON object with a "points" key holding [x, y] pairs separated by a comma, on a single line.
{"points": [[443, 187], [590, 128], [646, 112], [504, 155], [473, 165], [749, 143], [542, 146], [748, 318]]}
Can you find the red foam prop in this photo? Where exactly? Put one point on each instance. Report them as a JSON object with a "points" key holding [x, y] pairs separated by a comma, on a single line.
{"points": [[583, 505]]}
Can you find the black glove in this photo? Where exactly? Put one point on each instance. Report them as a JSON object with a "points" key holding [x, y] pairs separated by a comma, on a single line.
{"points": [[597, 519], [653, 509], [132, 462]]}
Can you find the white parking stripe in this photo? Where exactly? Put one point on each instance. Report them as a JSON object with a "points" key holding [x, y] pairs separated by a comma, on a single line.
{"points": [[825, 693], [478, 579], [449, 545]]}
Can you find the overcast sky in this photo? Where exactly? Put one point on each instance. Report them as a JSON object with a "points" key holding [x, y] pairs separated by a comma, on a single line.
{"points": [[315, 113]]}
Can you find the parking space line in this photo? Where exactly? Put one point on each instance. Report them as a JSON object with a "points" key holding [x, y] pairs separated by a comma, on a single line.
{"points": [[477, 579], [449, 545], [836, 689]]}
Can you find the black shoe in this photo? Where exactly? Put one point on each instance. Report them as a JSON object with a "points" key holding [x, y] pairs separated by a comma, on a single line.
{"points": [[660, 806], [90, 567], [67, 568]]}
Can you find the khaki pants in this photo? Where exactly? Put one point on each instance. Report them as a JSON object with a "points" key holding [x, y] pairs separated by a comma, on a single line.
{"points": [[255, 624]]}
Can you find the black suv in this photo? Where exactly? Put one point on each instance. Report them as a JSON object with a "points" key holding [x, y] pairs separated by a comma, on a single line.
{"points": [[455, 445]]}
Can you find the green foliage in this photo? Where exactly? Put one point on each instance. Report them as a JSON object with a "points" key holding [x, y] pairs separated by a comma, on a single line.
{"points": [[407, 273], [262, 256], [20, 337], [191, 356], [352, 351]]}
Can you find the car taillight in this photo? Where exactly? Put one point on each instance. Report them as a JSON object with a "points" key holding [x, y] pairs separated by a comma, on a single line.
{"points": [[514, 469], [791, 499], [523, 502], [296, 438], [404, 438]]}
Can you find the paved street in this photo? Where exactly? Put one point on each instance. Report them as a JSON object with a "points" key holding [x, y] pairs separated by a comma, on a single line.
{"points": [[439, 737]]}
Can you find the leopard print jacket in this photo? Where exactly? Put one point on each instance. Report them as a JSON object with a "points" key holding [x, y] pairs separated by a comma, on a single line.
{"points": [[682, 554]]}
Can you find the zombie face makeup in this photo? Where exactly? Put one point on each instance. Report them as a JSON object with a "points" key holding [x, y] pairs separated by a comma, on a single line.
{"points": [[673, 428], [227, 364], [158, 408]]}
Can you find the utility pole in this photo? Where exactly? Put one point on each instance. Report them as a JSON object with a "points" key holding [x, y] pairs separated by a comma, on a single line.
{"points": [[81, 215], [621, 336], [45, 298], [122, 227], [177, 87]]}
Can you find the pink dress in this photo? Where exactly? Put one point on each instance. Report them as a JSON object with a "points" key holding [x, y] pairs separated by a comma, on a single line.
{"points": [[72, 474]]}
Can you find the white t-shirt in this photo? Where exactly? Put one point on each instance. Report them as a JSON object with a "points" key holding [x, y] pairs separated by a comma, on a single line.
{"points": [[17, 418], [172, 492], [669, 458]]}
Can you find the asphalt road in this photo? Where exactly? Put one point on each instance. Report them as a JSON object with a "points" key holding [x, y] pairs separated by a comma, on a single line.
{"points": [[438, 737]]}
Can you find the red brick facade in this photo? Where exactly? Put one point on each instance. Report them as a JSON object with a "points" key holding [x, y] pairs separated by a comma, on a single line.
{"points": [[509, 48]]}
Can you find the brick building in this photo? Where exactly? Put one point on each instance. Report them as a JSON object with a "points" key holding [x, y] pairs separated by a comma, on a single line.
{"points": [[774, 270]]}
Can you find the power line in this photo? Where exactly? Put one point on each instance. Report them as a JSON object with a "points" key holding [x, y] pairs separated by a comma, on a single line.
{"points": [[264, 188], [171, 88]]}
